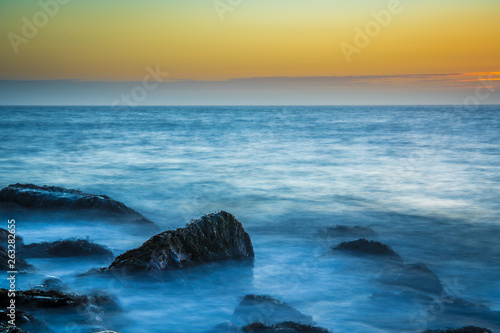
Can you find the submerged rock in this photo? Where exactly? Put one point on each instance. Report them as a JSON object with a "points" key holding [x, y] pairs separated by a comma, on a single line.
{"points": [[35, 299], [4, 237], [65, 248], [344, 230], [468, 329], [267, 310], [10, 329], [60, 199], [25, 321], [53, 283], [362, 247], [416, 277], [20, 264], [285, 327], [214, 237]]}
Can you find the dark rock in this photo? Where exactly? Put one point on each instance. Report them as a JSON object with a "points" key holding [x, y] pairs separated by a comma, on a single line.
{"points": [[468, 329], [65, 248], [20, 264], [267, 310], [61, 199], [362, 247], [470, 312], [25, 321], [215, 237], [55, 284], [35, 299], [415, 276], [285, 327], [343, 230], [10, 329], [4, 237]]}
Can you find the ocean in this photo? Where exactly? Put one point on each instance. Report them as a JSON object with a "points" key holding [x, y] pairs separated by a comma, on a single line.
{"points": [[426, 179]]}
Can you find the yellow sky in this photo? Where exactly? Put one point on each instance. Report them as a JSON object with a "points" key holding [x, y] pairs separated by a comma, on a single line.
{"points": [[116, 40]]}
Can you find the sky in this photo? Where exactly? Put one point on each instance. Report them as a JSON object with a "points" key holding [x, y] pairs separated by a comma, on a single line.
{"points": [[230, 52]]}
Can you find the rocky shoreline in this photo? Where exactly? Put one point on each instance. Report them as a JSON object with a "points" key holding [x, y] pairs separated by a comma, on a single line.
{"points": [[213, 238]]}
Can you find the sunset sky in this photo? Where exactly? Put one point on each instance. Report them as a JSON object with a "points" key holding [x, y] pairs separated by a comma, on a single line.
{"points": [[251, 52]]}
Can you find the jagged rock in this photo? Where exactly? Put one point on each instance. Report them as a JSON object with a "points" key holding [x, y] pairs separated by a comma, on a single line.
{"points": [[267, 310], [20, 264], [25, 321], [343, 230], [4, 237], [468, 329], [214, 237], [65, 248], [61, 199], [10, 329], [285, 327], [415, 276], [35, 299], [362, 247]]}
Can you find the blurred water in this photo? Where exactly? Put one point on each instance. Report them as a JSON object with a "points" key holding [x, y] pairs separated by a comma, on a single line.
{"points": [[425, 178]]}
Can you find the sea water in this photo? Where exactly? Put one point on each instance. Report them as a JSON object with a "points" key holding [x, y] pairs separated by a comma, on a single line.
{"points": [[426, 179]]}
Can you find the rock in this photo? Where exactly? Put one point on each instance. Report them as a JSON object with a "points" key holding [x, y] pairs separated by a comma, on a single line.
{"points": [[470, 312], [20, 264], [4, 237], [65, 248], [54, 283], [415, 276], [214, 237], [343, 230], [60, 199], [362, 247], [468, 329], [35, 299], [285, 327], [25, 321], [268, 311], [10, 329]]}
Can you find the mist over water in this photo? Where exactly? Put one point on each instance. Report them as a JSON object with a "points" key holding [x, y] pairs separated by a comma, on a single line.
{"points": [[426, 179]]}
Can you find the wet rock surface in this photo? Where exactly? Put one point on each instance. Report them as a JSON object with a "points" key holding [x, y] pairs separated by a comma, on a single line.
{"points": [[214, 237], [285, 327], [29, 196], [363, 247], [10, 329], [53, 283], [414, 276], [267, 310], [35, 299], [65, 248], [25, 321]]}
